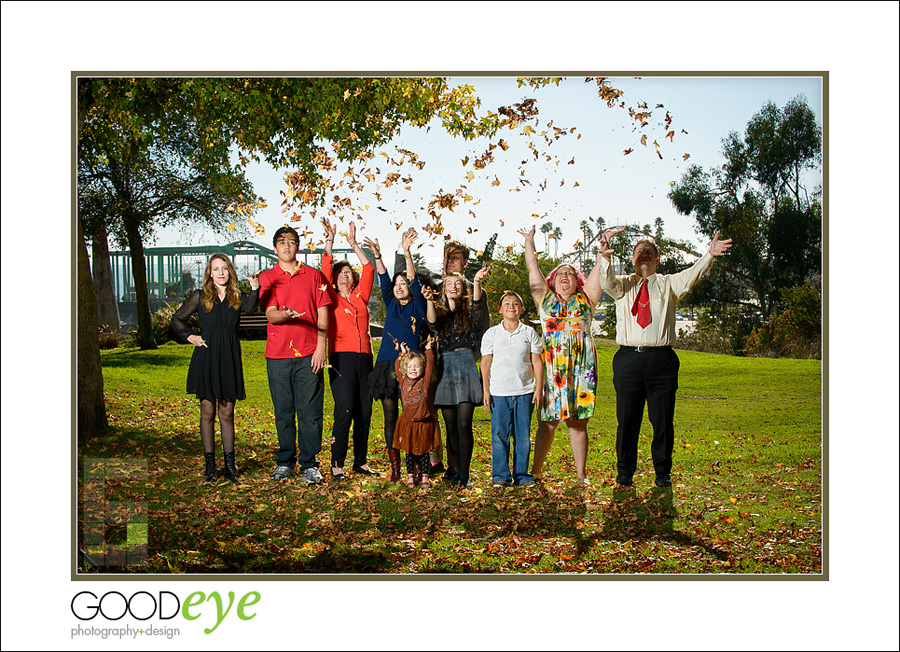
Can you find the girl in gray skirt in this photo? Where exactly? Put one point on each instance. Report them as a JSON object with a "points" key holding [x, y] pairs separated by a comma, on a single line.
{"points": [[459, 318]]}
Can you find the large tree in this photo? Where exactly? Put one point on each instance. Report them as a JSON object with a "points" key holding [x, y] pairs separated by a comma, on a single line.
{"points": [[759, 200]]}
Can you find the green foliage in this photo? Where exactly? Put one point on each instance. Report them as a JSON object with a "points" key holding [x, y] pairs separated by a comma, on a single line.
{"points": [[109, 338], [795, 331], [758, 200], [608, 322], [162, 321], [509, 272], [720, 328]]}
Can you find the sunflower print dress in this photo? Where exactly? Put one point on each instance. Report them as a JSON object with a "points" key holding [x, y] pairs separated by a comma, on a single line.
{"points": [[570, 359]]}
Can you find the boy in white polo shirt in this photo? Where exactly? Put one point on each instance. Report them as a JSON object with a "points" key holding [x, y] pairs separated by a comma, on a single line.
{"points": [[512, 376]]}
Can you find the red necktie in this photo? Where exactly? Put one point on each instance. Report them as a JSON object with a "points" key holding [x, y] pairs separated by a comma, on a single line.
{"points": [[641, 306]]}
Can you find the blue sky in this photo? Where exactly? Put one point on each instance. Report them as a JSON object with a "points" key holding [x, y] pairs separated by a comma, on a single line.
{"points": [[622, 189]]}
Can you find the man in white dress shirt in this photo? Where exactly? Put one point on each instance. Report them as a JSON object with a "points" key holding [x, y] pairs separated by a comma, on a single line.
{"points": [[645, 368]]}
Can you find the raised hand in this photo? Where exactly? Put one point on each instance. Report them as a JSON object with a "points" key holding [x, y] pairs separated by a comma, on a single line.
{"points": [[372, 245], [408, 238], [718, 247], [526, 233], [481, 273], [604, 248], [351, 234], [253, 279], [330, 231]]}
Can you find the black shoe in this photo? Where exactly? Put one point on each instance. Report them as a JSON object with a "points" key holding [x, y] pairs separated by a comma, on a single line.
{"points": [[340, 476], [231, 472], [362, 471], [436, 468], [209, 472], [624, 483], [450, 475], [663, 482]]}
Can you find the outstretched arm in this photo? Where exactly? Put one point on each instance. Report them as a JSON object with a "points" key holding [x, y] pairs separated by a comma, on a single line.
{"points": [[683, 281], [536, 280], [603, 266], [477, 290], [409, 237], [330, 232], [375, 248]]}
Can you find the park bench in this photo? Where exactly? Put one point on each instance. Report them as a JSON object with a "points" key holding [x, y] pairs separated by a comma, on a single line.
{"points": [[253, 321]]}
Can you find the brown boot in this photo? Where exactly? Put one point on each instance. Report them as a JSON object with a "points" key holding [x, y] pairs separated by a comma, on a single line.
{"points": [[417, 470], [394, 457]]}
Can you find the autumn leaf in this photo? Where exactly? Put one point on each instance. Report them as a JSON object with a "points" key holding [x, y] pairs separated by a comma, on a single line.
{"points": [[670, 136], [686, 156], [644, 140], [232, 226], [503, 145], [628, 151], [496, 181]]}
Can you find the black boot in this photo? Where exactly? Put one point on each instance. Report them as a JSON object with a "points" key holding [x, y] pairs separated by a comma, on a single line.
{"points": [[231, 472], [209, 473]]}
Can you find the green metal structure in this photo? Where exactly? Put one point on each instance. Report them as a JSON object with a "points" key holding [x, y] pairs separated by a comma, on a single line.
{"points": [[167, 266]]}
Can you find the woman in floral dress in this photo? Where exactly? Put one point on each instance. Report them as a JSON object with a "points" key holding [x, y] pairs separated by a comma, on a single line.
{"points": [[565, 301]]}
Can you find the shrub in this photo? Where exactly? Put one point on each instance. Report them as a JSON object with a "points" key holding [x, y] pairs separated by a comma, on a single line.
{"points": [[719, 329], [109, 338], [161, 322], [795, 331]]}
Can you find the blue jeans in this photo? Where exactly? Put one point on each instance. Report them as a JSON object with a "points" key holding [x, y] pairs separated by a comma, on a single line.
{"points": [[296, 390], [511, 419]]}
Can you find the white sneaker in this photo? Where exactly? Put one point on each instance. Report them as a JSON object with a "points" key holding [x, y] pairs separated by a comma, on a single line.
{"points": [[311, 476]]}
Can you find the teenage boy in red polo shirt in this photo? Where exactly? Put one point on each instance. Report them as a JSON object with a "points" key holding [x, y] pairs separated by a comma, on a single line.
{"points": [[295, 298]]}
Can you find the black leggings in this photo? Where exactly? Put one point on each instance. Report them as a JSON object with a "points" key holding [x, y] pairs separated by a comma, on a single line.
{"points": [[460, 440], [208, 424], [391, 414]]}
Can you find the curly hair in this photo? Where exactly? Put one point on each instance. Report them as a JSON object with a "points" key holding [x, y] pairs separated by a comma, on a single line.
{"points": [[210, 296], [407, 357]]}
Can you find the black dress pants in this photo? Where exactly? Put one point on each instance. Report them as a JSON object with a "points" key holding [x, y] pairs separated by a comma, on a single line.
{"points": [[349, 379], [649, 377]]}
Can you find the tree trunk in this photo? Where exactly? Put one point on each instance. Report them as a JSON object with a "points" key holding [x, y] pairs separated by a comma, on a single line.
{"points": [[145, 337], [92, 420], [107, 308]]}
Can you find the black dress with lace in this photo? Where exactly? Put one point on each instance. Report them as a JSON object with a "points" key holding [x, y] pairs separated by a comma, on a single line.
{"points": [[215, 371]]}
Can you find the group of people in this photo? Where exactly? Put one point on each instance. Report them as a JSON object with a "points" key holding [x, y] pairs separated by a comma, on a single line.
{"points": [[428, 360]]}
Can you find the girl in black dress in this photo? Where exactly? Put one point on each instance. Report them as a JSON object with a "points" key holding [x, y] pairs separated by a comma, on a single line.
{"points": [[459, 320], [216, 374]]}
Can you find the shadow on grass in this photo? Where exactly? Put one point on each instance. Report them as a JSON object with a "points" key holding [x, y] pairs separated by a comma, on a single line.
{"points": [[160, 358], [648, 516]]}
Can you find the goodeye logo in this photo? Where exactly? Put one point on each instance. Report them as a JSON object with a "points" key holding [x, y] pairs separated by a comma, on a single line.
{"points": [[165, 605]]}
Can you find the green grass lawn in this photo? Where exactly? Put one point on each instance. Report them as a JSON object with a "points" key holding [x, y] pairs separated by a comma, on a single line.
{"points": [[747, 493]]}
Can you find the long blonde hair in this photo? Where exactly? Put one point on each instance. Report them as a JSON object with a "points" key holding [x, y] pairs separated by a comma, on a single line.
{"points": [[458, 318], [210, 296]]}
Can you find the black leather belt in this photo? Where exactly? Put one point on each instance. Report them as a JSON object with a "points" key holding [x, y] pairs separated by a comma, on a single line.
{"points": [[645, 349]]}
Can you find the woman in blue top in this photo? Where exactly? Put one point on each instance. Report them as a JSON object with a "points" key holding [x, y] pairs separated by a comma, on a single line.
{"points": [[404, 318]]}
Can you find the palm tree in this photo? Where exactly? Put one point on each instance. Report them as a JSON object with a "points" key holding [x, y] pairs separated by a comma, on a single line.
{"points": [[546, 227]]}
